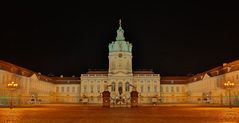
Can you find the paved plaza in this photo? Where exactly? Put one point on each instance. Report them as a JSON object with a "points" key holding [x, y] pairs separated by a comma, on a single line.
{"points": [[96, 114]]}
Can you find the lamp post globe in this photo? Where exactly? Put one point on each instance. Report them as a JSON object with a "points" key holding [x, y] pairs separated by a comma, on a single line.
{"points": [[12, 86], [229, 85]]}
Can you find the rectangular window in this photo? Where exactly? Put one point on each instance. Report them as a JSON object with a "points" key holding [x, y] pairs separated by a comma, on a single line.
{"points": [[166, 89], [62, 89], [78, 89], [161, 89], [218, 82], [73, 90], [68, 89], [57, 89], [142, 88], [155, 88], [172, 89], [85, 87], [177, 89], [148, 88], [91, 88], [183, 89], [3, 79]]}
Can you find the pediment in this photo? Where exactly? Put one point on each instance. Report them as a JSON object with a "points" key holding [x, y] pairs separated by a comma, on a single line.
{"points": [[206, 76], [34, 76]]}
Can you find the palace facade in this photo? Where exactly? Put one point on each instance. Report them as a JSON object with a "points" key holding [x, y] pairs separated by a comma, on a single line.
{"points": [[120, 79]]}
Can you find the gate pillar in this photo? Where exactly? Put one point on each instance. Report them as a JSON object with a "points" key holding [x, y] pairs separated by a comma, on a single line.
{"points": [[106, 99], [134, 98]]}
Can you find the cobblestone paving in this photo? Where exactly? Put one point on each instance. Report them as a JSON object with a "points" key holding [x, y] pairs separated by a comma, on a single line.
{"points": [[96, 114]]}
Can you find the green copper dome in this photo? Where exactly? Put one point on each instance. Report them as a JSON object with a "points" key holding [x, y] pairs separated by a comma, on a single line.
{"points": [[120, 45]]}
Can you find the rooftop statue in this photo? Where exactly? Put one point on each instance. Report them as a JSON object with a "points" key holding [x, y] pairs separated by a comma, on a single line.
{"points": [[120, 45], [120, 33]]}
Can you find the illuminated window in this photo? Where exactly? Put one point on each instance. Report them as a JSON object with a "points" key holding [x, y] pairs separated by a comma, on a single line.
{"points": [[73, 89], [57, 89], [85, 87], [142, 88], [62, 89], [98, 88], [218, 82], [120, 88], [172, 89], [183, 89], [113, 87], [155, 88], [167, 89], [3, 79], [127, 86], [91, 88], [177, 89], [148, 88]]}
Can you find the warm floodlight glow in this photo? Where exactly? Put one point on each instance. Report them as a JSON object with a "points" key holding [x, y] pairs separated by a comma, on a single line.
{"points": [[229, 85], [12, 85]]}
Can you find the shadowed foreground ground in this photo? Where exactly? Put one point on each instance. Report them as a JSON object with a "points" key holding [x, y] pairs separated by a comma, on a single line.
{"points": [[97, 114]]}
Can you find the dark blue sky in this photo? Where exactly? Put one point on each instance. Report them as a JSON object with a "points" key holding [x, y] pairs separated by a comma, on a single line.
{"points": [[173, 38]]}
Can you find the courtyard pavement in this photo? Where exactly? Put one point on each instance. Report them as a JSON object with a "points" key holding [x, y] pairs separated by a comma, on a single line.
{"points": [[72, 113]]}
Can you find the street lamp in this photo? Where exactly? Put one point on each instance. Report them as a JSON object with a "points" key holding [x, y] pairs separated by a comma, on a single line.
{"points": [[229, 85], [12, 86]]}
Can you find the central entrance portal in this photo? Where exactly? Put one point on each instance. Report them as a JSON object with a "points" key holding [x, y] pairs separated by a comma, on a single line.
{"points": [[121, 99], [120, 96]]}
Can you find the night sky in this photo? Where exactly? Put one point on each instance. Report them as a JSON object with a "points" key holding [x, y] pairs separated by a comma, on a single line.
{"points": [[172, 38]]}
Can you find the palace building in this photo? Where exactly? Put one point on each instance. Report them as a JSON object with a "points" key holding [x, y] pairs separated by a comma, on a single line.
{"points": [[120, 80]]}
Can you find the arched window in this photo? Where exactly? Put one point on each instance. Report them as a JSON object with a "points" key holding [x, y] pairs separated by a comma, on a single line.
{"points": [[113, 86], [148, 88], [127, 86], [91, 89], [98, 88], [120, 88]]}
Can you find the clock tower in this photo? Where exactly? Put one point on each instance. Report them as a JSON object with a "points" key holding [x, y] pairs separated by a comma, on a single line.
{"points": [[120, 54]]}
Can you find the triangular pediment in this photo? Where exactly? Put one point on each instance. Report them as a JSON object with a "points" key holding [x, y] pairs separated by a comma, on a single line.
{"points": [[206, 76], [34, 76]]}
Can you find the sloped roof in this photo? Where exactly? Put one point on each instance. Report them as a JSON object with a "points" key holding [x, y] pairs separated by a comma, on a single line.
{"points": [[6, 66], [174, 80], [15, 69], [225, 68], [66, 80]]}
